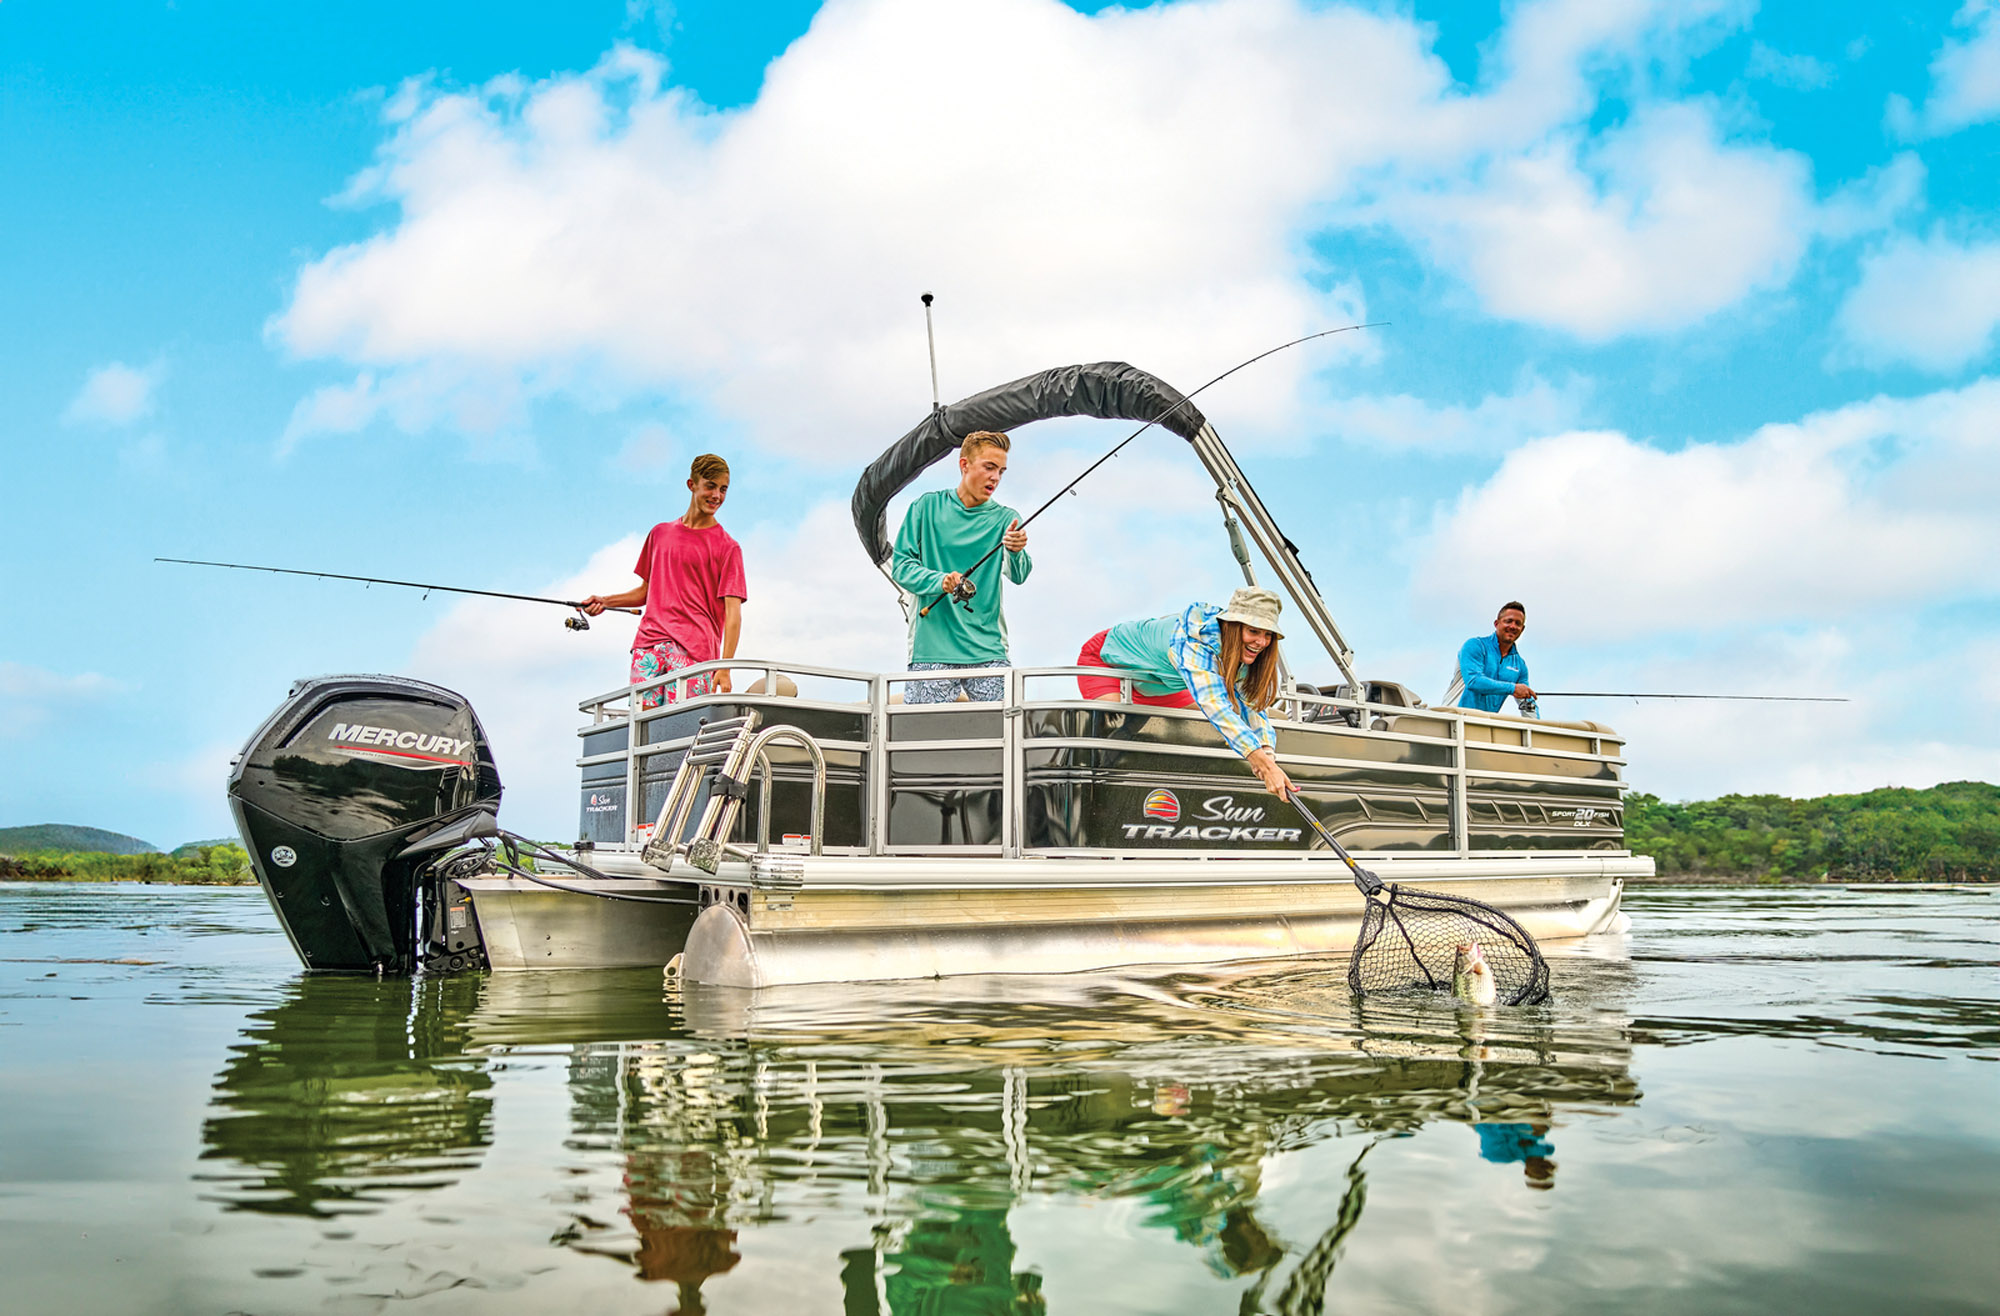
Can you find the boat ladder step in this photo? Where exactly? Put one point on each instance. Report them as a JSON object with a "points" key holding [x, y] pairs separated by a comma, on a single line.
{"points": [[723, 756]]}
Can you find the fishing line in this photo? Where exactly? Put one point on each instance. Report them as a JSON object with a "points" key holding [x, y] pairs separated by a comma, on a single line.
{"points": [[576, 623], [1346, 328]]}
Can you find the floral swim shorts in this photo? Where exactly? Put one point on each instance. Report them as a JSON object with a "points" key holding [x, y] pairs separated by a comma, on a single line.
{"points": [[659, 660], [945, 689]]}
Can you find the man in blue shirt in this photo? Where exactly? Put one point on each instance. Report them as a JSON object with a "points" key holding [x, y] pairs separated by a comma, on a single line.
{"points": [[1492, 668]]}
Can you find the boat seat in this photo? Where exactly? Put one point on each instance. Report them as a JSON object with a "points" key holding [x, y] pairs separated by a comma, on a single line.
{"points": [[787, 688]]}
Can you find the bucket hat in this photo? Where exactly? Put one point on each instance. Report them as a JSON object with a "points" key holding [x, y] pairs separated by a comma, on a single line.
{"points": [[1255, 607]]}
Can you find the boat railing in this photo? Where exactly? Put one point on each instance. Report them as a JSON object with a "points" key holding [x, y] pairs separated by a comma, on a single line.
{"points": [[1509, 763]]}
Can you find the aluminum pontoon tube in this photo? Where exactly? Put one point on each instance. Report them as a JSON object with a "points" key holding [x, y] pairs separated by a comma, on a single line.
{"points": [[803, 936]]}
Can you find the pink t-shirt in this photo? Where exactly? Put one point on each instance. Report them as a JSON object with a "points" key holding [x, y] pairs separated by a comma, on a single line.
{"points": [[688, 573]]}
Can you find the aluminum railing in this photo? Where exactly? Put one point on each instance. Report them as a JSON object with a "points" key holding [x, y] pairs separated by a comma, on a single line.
{"points": [[871, 692]]}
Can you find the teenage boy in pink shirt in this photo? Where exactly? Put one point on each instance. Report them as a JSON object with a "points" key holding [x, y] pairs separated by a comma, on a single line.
{"points": [[691, 581]]}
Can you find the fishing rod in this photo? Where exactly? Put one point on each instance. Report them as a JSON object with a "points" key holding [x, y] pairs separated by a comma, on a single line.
{"points": [[964, 591], [577, 623], [1626, 694]]}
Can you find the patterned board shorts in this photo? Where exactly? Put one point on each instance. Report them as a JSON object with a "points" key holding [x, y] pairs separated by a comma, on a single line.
{"points": [[658, 660], [979, 689]]}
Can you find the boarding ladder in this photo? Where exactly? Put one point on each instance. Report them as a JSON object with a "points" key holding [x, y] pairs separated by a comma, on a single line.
{"points": [[722, 756]]}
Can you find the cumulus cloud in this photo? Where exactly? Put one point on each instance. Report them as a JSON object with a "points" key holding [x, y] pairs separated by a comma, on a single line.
{"points": [[1494, 423], [1930, 302], [115, 394], [1965, 78], [1876, 200], [1143, 189], [1799, 72], [31, 696], [1882, 502], [1649, 227]]}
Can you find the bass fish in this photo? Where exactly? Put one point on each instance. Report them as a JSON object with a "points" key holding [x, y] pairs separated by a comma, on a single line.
{"points": [[1471, 977]]}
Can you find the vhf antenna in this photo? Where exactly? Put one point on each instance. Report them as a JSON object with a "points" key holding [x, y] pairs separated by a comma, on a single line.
{"points": [[931, 336]]}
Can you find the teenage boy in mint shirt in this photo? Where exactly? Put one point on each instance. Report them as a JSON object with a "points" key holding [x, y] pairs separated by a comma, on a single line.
{"points": [[942, 535]]}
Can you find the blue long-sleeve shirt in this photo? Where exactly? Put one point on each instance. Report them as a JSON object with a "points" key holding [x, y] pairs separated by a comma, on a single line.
{"points": [[1489, 675], [1185, 652]]}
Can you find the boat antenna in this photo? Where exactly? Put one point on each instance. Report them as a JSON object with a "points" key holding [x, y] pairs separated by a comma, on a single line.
{"points": [[965, 594], [580, 622], [930, 336]]}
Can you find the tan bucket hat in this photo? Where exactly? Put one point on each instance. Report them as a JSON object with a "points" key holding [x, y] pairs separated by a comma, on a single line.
{"points": [[1254, 607]]}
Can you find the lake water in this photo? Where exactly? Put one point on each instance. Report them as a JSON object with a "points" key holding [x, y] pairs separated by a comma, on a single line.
{"points": [[1757, 1100]]}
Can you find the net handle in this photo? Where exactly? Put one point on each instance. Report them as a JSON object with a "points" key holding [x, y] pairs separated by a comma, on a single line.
{"points": [[1370, 884]]}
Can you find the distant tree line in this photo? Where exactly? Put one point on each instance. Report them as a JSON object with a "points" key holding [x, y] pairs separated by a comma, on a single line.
{"points": [[1948, 833], [222, 864]]}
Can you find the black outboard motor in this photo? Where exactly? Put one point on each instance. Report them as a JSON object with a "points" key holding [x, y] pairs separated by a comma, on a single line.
{"points": [[345, 797]]}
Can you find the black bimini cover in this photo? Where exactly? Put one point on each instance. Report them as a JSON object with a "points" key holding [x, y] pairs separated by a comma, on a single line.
{"points": [[1108, 390]]}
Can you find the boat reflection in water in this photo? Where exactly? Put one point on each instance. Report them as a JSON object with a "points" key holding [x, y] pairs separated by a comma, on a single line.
{"points": [[348, 1091], [902, 1124]]}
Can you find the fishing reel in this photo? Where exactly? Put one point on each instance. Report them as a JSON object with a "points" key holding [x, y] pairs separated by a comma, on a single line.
{"points": [[962, 593], [577, 623]]}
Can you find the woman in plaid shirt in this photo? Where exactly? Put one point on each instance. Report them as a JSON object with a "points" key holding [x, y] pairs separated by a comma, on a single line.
{"points": [[1179, 661]]}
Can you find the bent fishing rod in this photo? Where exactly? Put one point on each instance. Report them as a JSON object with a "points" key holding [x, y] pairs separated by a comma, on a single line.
{"points": [[580, 622], [964, 591]]}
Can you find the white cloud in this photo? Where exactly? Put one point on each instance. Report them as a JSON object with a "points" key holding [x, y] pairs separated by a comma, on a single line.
{"points": [[1928, 302], [1876, 200], [115, 394], [1494, 423], [1890, 732], [1140, 185], [1649, 227], [1799, 72], [31, 696], [1885, 502], [1965, 79]]}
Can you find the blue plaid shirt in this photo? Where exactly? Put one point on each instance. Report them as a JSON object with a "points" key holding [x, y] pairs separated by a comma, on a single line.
{"points": [[1186, 651]]}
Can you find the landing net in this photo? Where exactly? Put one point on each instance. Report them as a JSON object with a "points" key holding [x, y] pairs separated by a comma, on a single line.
{"points": [[1410, 942]]}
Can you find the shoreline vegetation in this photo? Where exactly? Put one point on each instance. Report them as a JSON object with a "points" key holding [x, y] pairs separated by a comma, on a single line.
{"points": [[1944, 834], [220, 864]]}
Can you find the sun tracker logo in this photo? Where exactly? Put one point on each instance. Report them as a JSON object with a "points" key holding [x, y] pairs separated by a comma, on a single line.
{"points": [[1163, 804]]}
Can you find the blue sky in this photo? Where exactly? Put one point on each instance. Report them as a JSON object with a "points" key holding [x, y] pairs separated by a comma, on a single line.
{"points": [[1692, 346]]}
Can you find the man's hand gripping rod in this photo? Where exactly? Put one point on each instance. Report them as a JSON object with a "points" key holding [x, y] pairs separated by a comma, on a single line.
{"points": [[964, 592]]}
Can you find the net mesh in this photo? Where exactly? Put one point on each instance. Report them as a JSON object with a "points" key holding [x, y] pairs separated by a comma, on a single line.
{"points": [[1410, 942]]}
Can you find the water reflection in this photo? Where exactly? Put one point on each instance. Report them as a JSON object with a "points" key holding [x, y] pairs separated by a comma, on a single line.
{"points": [[915, 1119], [346, 1091], [929, 1112]]}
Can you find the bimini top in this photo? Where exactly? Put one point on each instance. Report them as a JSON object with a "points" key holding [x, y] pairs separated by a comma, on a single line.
{"points": [[1108, 390]]}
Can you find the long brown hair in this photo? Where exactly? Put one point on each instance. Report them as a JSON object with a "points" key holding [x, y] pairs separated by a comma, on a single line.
{"points": [[1259, 686]]}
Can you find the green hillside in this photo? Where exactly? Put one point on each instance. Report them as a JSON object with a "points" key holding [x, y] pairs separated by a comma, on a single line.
{"points": [[70, 839], [1947, 833], [193, 849]]}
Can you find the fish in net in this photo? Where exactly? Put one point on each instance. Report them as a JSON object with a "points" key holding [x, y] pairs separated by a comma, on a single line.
{"points": [[1426, 941]]}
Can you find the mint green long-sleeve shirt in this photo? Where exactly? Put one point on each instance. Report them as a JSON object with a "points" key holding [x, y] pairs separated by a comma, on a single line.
{"points": [[940, 534]]}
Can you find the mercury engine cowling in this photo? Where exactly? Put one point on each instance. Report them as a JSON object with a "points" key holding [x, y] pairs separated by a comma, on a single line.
{"points": [[345, 797]]}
